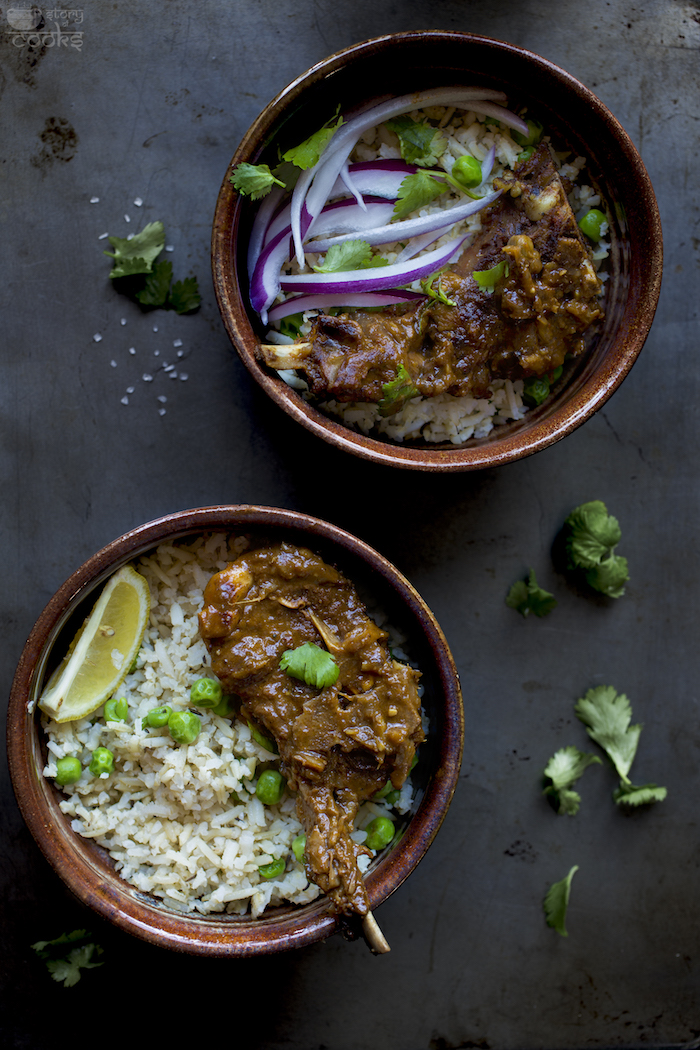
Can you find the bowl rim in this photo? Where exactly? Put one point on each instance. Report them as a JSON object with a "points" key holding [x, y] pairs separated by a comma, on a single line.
{"points": [[72, 857], [642, 299]]}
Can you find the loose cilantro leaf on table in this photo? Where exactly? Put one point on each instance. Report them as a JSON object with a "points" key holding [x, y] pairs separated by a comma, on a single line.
{"points": [[415, 192], [349, 255], [310, 664], [556, 902], [67, 955], [419, 142], [139, 275], [607, 716], [591, 535], [526, 596], [564, 769], [397, 392], [137, 255]]}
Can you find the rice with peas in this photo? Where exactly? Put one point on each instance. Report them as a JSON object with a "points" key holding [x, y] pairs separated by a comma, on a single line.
{"points": [[183, 822], [446, 418]]}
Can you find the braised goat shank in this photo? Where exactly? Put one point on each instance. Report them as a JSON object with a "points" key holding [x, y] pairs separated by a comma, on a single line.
{"points": [[535, 316], [338, 745]]}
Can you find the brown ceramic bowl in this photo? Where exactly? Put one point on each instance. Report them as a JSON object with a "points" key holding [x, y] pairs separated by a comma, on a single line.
{"points": [[404, 62], [87, 869]]}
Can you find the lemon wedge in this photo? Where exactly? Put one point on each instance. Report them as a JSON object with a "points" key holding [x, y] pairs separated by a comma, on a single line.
{"points": [[103, 650]]}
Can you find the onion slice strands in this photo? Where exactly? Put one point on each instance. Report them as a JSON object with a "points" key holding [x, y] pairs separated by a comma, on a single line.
{"points": [[399, 231], [375, 279], [325, 300], [314, 185]]}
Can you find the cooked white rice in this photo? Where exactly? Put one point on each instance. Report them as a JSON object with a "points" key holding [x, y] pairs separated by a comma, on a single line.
{"points": [[183, 822], [446, 418]]}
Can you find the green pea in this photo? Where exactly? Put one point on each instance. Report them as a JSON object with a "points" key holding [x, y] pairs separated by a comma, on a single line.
{"points": [[184, 726], [592, 224], [224, 708], [206, 692], [526, 154], [262, 740], [535, 390], [68, 770], [158, 716], [116, 710], [274, 869], [392, 797], [270, 787], [102, 761], [467, 171], [533, 136], [380, 832], [298, 847]]}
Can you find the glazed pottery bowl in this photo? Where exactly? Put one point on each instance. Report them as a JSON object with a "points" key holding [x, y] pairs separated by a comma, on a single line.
{"points": [[576, 120], [88, 870]]}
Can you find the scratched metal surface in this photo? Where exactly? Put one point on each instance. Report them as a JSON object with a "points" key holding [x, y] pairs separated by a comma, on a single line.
{"points": [[150, 102]]}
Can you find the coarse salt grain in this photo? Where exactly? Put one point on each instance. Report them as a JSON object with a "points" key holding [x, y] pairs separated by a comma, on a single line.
{"points": [[161, 411], [113, 364], [94, 200], [123, 320], [138, 202], [162, 398], [130, 389], [127, 219], [125, 400], [155, 327], [172, 375], [102, 236], [132, 349], [147, 378], [170, 247], [184, 375], [97, 337], [177, 342]]}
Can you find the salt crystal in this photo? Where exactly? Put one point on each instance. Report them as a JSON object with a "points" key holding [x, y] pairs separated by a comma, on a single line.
{"points": [[127, 219], [181, 353], [138, 202], [94, 200], [113, 364], [162, 398], [184, 375], [161, 411], [156, 353], [155, 327], [172, 375], [123, 320], [130, 389], [170, 247], [129, 236], [97, 337], [146, 378], [177, 342], [102, 236], [132, 349], [125, 400]]}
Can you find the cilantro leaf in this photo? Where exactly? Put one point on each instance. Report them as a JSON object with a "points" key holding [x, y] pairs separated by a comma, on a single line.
{"points": [[419, 142], [157, 285], [610, 576], [397, 392], [184, 296], [486, 279], [68, 954], [436, 292], [564, 769], [556, 902], [308, 152], [254, 180], [138, 254], [629, 795], [310, 664], [607, 717], [591, 535], [347, 255], [527, 597], [415, 192]]}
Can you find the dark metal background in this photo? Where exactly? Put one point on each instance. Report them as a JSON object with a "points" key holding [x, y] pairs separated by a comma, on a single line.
{"points": [[152, 106]]}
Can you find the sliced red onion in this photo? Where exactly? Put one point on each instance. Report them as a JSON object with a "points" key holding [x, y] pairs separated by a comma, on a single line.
{"points": [[347, 182], [487, 164], [314, 185], [323, 301], [417, 244], [265, 282], [400, 231], [488, 109], [261, 224], [375, 279], [344, 216], [376, 178]]}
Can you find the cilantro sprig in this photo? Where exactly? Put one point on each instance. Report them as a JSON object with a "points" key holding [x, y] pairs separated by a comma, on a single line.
{"points": [[564, 768], [397, 392], [590, 536], [349, 255], [140, 275], [415, 192], [68, 954], [527, 596], [607, 716], [556, 902], [311, 664], [256, 180]]}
